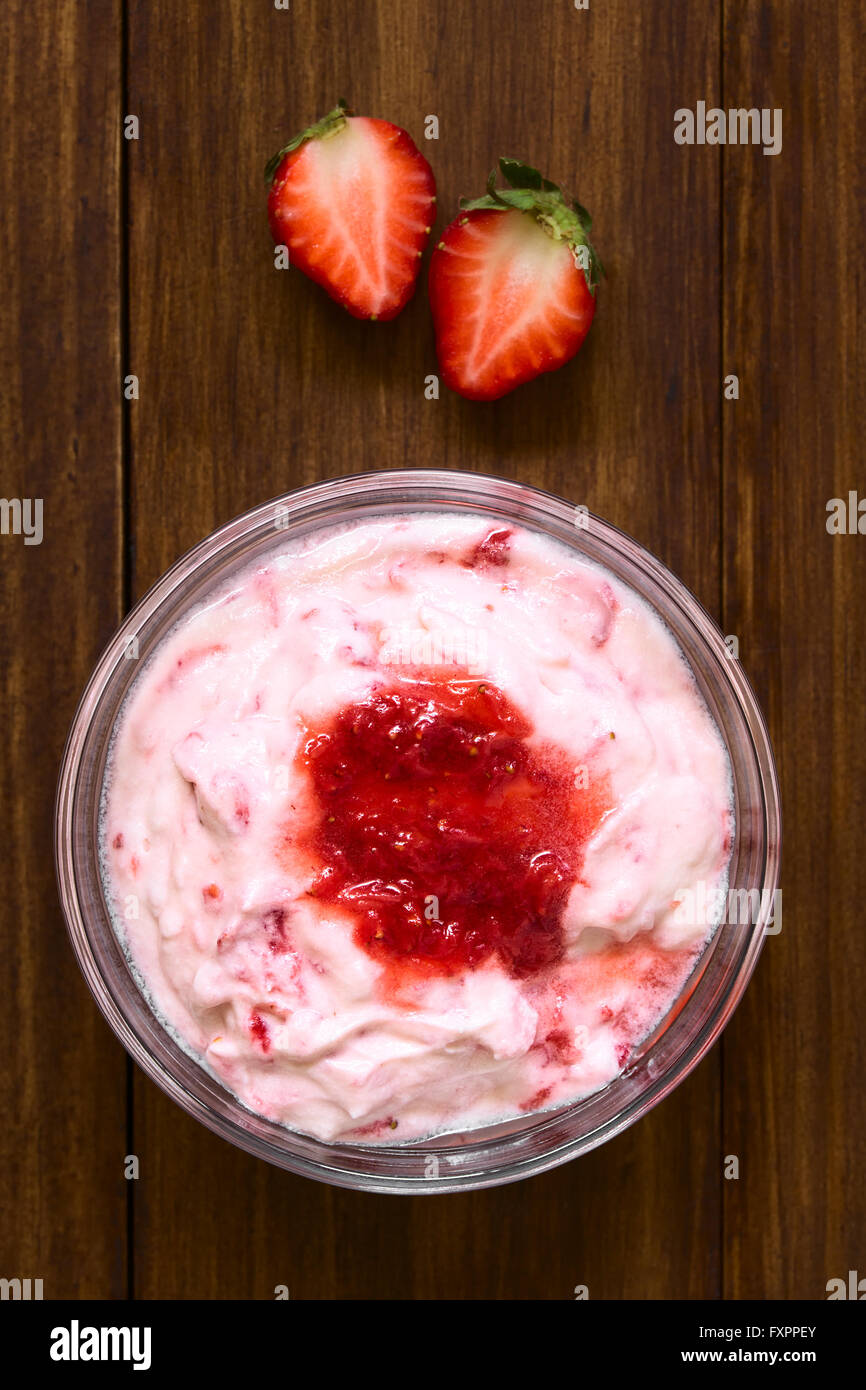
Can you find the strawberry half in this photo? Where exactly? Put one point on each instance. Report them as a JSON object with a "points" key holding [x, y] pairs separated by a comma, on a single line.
{"points": [[352, 198], [512, 285]]}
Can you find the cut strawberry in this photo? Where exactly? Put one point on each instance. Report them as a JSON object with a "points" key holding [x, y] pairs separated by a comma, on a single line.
{"points": [[512, 285], [352, 199]]}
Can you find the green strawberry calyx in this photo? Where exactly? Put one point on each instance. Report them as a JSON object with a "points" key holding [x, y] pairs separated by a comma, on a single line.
{"points": [[329, 125], [561, 219]]}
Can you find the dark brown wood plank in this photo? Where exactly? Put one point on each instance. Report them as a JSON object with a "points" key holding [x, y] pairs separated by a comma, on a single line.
{"points": [[253, 382], [794, 1104], [62, 1191]]}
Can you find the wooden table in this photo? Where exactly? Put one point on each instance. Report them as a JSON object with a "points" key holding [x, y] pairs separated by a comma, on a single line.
{"points": [[152, 257]]}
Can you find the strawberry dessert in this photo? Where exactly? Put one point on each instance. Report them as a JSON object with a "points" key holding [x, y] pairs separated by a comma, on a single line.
{"points": [[398, 824]]}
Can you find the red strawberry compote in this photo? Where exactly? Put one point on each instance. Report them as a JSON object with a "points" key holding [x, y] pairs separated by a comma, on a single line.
{"points": [[398, 827]]}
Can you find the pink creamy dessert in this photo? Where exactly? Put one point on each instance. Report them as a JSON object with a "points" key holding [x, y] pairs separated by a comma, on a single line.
{"points": [[399, 826]]}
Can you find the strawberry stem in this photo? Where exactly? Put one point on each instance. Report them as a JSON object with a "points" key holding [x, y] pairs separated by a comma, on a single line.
{"points": [[329, 125], [561, 218]]}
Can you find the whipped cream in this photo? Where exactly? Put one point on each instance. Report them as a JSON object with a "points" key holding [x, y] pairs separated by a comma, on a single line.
{"points": [[213, 830]]}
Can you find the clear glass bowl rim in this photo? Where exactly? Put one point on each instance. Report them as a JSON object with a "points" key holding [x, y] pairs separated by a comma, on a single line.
{"points": [[515, 1150]]}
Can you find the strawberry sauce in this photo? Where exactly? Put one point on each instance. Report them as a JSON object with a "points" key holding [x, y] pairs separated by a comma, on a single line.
{"points": [[448, 834]]}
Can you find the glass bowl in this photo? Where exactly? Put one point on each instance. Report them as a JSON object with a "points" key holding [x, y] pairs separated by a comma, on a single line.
{"points": [[498, 1153]]}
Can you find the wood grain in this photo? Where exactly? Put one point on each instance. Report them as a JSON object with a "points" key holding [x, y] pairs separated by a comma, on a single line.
{"points": [[254, 382], [62, 1192], [794, 1105]]}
